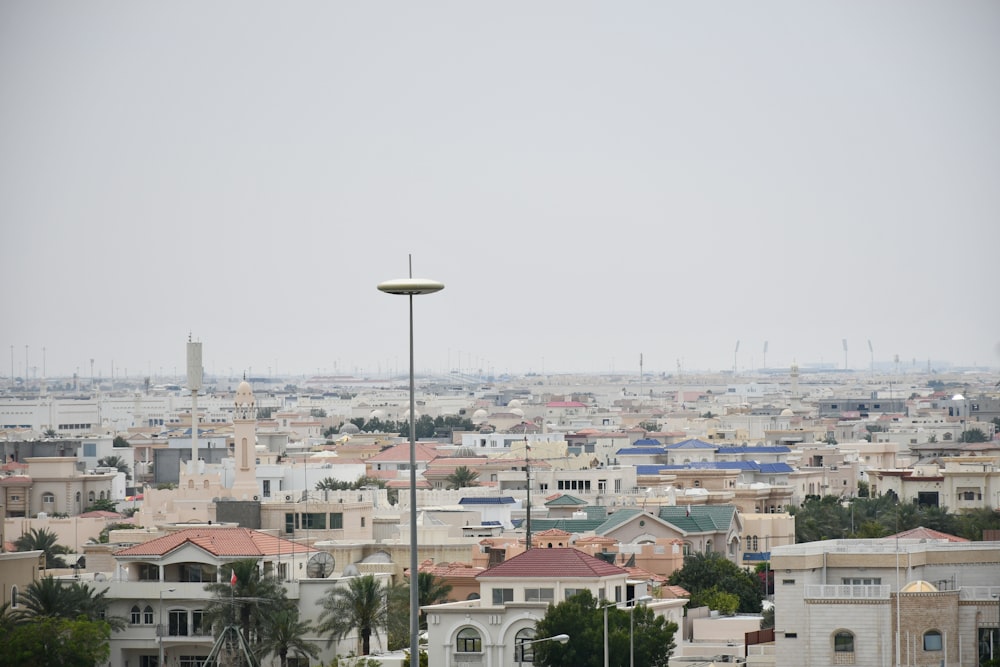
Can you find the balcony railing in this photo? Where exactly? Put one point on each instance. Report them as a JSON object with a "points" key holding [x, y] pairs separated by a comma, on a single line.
{"points": [[846, 592]]}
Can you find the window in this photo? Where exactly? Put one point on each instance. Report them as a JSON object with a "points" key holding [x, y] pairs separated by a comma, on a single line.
{"points": [[198, 622], [147, 615], [791, 635], [362, 522], [13, 597], [524, 653], [91, 497], [135, 616], [469, 641], [539, 594], [501, 595], [48, 498], [289, 523], [861, 581], [314, 521], [178, 625], [843, 648], [570, 592], [787, 582], [267, 488], [932, 640], [337, 521]]}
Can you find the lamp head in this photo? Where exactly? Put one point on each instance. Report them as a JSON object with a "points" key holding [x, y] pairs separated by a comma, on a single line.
{"points": [[562, 639], [410, 286]]}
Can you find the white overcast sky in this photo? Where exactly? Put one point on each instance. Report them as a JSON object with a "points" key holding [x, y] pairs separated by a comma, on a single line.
{"points": [[591, 181]]}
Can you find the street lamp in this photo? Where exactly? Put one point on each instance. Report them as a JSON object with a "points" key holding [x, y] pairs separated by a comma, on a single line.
{"points": [[562, 639], [631, 649], [411, 287], [159, 635], [631, 635]]}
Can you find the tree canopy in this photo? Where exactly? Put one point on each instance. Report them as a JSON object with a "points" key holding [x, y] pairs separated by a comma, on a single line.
{"points": [[360, 606], [43, 539], [462, 477], [582, 618], [705, 575]]}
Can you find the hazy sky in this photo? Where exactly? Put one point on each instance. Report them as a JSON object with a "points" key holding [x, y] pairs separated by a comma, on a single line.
{"points": [[591, 181]]}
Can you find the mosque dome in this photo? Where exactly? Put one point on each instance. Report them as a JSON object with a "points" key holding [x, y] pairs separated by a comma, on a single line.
{"points": [[517, 411], [480, 415], [349, 429], [244, 394], [919, 586], [406, 414], [514, 403], [787, 412], [376, 414]]}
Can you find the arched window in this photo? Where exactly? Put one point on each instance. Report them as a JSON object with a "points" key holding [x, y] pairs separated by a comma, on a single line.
{"points": [[843, 648], [753, 543], [78, 497], [48, 498], [524, 654], [469, 641], [135, 616], [932, 640], [708, 546], [102, 495], [91, 497], [147, 615], [190, 483], [13, 597]]}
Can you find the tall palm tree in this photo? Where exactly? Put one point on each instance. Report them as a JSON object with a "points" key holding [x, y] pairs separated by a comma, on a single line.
{"points": [[116, 462], [462, 477], [285, 634], [42, 539], [248, 604], [361, 606]]}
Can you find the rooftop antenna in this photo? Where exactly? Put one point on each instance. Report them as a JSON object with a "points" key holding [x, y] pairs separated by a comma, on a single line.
{"points": [[735, 352], [195, 374], [871, 351], [844, 341], [764, 362]]}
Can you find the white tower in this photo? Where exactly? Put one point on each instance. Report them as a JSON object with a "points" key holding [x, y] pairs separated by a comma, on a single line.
{"points": [[245, 441]]}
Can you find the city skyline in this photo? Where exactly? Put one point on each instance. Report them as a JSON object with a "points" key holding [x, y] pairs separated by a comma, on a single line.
{"points": [[590, 183]]}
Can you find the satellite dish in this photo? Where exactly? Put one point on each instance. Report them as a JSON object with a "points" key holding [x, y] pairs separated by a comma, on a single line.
{"points": [[321, 565]]}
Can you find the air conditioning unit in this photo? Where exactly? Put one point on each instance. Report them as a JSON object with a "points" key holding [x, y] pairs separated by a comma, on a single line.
{"points": [[256, 497], [288, 497]]}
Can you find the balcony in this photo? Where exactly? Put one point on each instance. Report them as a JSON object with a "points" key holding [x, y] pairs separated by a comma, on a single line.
{"points": [[468, 658]]}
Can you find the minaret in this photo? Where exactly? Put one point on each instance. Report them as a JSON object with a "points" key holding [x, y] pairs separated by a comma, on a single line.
{"points": [[245, 443], [795, 386], [194, 381]]}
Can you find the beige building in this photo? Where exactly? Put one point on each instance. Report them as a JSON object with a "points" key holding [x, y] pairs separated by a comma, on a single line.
{"points": [[858, 602], [964, 482], [55, 485]]}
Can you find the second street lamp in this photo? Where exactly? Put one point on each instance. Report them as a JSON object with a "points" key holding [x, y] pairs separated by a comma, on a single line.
{"points": [[411, 287]]}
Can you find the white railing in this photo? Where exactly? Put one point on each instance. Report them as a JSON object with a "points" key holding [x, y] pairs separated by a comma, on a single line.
{"points": [[843, 591]]}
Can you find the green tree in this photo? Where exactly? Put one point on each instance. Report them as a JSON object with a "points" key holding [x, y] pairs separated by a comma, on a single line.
{"points": [[973, 434], [582, 618], [285, 635], [249, 604], [49, 597], [116, 462], [360, 606], [42, 539], [716, 599], [50, 433], [102, 505], [972, 523], [462, 477], [119, 441], [702, 572], [767, 618], [56, 642]]}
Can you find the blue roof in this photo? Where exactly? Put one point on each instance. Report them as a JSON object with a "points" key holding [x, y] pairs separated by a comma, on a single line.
{"points": [[503, 500], [649, 469], [761, 556], [492, 523], [640, 451], [776, 468], [647, 442], [692, 443], [762, 449]]}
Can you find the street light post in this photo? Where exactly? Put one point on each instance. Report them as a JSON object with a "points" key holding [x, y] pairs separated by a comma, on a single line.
{"points": [[631, 633], [159, 635], [631, 649], [562, 639], [411, 287]]}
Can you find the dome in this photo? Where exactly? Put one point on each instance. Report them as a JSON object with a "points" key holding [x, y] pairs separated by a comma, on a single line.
{"points": [[406, 414], [517, 411], [376, 414], [919, 586], [349, 428], [244, 394], [514, 403], [480, 415], [787, 412], [463, 452]]}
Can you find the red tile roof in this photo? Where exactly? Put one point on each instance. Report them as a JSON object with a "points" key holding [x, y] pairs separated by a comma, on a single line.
{"points": [[921, 533], [553, 563], [221, 542]]}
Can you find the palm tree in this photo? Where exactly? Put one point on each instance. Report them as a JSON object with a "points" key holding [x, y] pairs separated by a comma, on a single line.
{"points": [[361, 606], [430, 590], [56, 598], [248, 604], [116, 462], [462, 477], [42, 539], [284, 634]]}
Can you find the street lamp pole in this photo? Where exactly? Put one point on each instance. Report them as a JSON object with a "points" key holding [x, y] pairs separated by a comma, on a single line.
{"points": [[631, 633], [159, 634], [631, 643], [411, 287], [519, 658]]}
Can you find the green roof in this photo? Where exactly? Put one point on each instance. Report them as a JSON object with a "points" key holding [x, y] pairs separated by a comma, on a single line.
{"points": [[569, 525], [565, 500], [616, 519], [702, 519]]}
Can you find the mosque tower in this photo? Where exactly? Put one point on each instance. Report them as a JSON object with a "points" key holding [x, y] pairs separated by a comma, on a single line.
{"points": [[245, 443]]}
